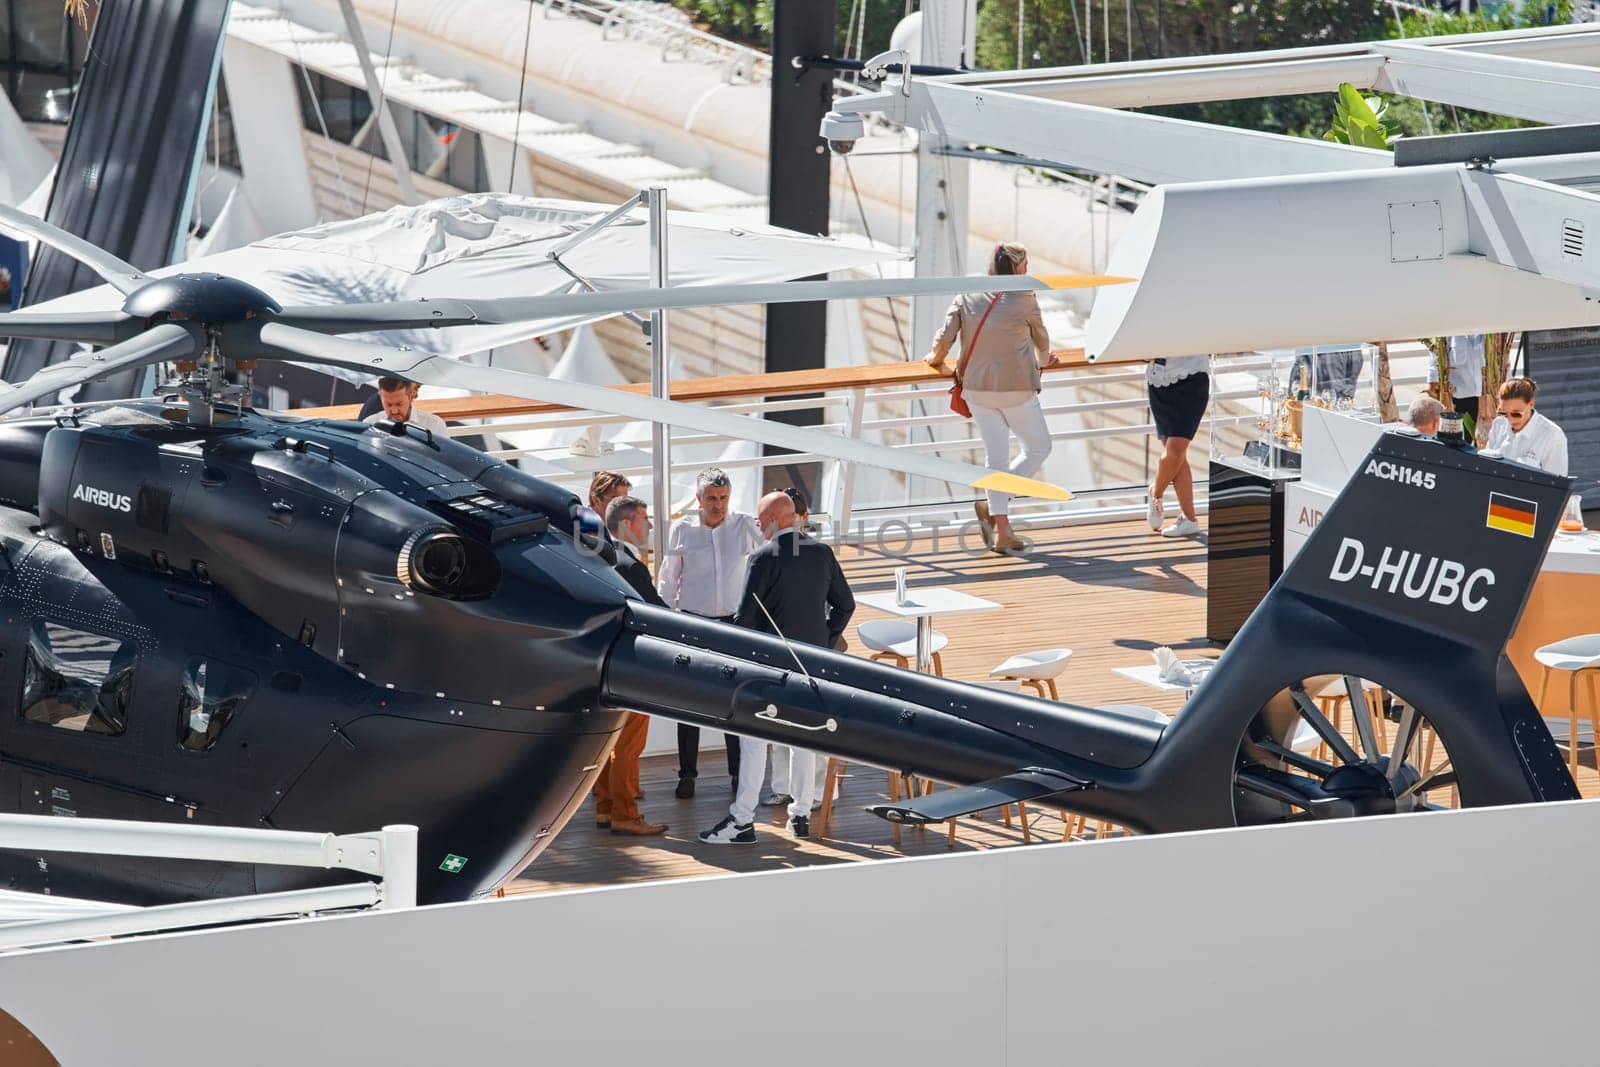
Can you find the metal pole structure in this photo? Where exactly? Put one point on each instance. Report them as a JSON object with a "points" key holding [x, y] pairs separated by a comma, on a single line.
{"points": [[941, 220], [798, 173], [660, 372], [947, 38], [399, 866], [391, 134]]}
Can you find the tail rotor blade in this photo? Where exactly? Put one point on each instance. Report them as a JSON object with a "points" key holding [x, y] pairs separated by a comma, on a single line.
{"points": [[159, 344], [124, 277], [425, 314], [286, 342]]}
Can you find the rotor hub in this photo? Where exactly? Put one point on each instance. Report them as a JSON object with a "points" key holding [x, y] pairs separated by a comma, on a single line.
{"points": [[205, 298], [1362, 786]]}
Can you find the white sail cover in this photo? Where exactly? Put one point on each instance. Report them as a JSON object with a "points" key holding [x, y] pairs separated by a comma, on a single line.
{"points": [[497, 245], [24, 163]]}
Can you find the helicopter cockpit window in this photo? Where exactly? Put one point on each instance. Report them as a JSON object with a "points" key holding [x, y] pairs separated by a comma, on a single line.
{"points": [[211, 695], [76, 680]]}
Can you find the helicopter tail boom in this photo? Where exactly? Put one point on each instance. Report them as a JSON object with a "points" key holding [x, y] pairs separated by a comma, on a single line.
{"points": [[707, 673]]}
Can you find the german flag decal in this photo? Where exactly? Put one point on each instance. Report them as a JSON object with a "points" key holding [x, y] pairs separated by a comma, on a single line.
{"points": [[1512, 514]]}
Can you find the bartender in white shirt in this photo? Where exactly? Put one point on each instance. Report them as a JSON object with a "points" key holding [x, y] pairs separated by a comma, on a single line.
{"points": [[1465, 355], [1522, 434], [704, 574]]}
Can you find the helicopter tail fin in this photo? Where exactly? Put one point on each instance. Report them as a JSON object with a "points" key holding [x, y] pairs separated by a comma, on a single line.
{"points": [[1427, 536], [1414, 580]]}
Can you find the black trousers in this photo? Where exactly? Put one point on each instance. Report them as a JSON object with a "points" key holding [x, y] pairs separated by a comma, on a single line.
{"points": [[689, 752], [1466, 405], [689, 741]]}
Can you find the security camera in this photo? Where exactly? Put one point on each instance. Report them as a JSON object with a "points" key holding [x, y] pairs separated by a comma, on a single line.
{"points": [[842, 130]]}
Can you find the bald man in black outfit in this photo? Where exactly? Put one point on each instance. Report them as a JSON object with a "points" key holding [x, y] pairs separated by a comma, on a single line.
{"points": [[795, 588]]}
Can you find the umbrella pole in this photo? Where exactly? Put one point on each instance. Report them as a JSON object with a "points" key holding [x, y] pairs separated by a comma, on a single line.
{"points": [[660, 432]]}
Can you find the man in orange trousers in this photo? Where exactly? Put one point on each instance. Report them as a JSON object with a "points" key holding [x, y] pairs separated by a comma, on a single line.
{"points": [[617, 789]]}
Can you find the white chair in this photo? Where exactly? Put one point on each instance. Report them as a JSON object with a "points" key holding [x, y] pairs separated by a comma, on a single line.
{"points": [[1306, 740], [896, 639], [1038, 669], [1577, 657], [1078, 823]]}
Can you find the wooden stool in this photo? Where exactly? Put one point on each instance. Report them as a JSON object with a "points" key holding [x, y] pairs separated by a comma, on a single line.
{"points": [[1332, 700], [896, 640], [1038, 670], [1079, 824], [830, 789], [1577, 656]]}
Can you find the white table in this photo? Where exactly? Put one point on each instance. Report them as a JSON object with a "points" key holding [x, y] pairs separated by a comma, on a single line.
{"points": [[1150, 675], [619, 459], [923, 603]]}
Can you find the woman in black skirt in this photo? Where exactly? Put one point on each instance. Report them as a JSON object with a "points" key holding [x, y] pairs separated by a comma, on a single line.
{"points": [[1179, 390]]}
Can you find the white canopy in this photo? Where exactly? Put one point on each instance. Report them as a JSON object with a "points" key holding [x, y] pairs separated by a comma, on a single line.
{"points": [[24, 163], [498, 245]]}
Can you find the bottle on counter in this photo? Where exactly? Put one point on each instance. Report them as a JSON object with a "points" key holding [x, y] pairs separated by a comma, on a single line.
{"points": [[1572, 517]]}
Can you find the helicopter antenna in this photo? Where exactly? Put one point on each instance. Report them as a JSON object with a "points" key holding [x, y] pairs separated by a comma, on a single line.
{"points": [[792, 654]]}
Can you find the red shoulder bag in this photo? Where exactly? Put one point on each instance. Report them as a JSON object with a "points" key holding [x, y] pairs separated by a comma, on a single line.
{"points": [[958, 403]]}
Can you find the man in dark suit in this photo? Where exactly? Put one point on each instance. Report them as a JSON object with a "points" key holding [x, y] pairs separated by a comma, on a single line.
{"points": [[795, 588], [628, 519], [616, 791]]}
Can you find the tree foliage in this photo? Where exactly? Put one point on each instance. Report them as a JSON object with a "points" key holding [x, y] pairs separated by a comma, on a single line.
{"points": [[1362, 121], [750, 22], [1056, 33]]}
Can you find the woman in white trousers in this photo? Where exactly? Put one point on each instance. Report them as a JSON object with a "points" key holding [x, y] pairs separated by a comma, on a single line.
{"points": [[1004, 345]]}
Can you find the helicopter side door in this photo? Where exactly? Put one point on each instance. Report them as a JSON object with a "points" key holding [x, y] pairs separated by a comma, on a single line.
{"points": [[80, 677]]}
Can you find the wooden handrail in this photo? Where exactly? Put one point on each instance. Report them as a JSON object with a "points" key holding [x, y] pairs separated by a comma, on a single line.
{"points": [[699, 390]]}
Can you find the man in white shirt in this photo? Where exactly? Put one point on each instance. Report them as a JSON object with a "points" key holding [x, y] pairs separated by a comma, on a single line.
{"points": [[1465, 355], [704, 574], [399, 396], [1522, 434]]}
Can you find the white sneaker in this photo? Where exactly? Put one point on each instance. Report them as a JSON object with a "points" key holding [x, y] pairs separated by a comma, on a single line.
{"points": [[1184, 527], [1155, 511], [728, 832]]}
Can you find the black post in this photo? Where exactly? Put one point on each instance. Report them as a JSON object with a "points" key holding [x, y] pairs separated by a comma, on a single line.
{"points": [[125, 181], [797, 194]]}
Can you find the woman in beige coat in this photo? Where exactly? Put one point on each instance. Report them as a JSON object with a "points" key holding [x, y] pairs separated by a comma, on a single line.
{"points": [[999, 377]]}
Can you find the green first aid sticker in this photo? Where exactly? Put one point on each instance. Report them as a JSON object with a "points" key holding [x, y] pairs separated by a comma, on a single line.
{"points": [[453, 863]]}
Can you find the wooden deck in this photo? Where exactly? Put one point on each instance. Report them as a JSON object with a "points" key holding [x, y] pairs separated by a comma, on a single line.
{"points": [[1111, 593]]}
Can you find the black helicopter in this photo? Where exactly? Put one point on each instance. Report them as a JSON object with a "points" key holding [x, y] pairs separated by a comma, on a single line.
{"points": [[218, 615]]}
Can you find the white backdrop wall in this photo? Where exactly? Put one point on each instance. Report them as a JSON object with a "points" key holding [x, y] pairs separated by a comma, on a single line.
{"points": [[1456, 938]]}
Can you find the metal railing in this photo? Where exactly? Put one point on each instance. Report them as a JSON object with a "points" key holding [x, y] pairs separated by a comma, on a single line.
{"points": [[390, 854], [672, 30], [666, 26], [890, 414]]}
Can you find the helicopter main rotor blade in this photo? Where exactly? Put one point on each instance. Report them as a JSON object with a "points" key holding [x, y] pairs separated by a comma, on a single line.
{"points": [[435, 314], [168, 341], [286, 342], [124, 277], [85, 327]]}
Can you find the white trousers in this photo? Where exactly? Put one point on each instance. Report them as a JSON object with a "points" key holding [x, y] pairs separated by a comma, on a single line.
{"points": [[780, 770], [995, 426], [753, 769]]}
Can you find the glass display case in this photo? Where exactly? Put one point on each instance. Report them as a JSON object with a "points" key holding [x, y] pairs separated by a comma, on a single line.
{"points": [[1258, 398]]}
